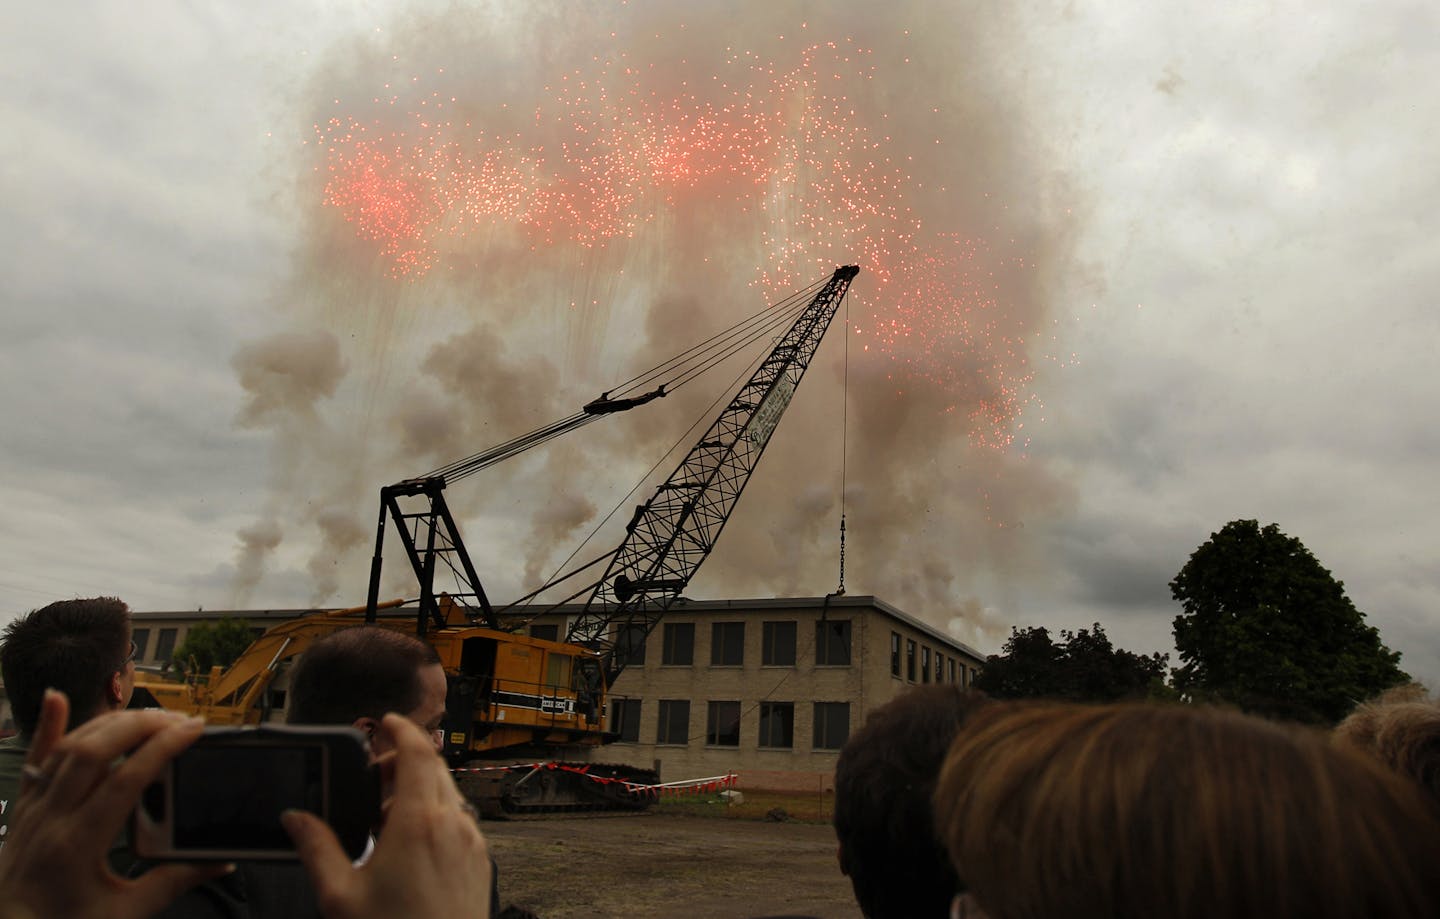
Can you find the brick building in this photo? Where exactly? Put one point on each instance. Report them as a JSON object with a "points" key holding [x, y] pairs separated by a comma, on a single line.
{"points": [[768, 688]]}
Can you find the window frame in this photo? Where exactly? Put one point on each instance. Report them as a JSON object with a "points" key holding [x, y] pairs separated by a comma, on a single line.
{"points": [[627, 713], [768, 643], [768, 711], [820, 727], [718, 712], [670, 647], [723, 639], [665, 723], [827, 644]]}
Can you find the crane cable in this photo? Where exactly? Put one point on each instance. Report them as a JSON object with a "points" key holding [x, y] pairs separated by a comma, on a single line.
{"points": [[682, 368], [844, 444]]}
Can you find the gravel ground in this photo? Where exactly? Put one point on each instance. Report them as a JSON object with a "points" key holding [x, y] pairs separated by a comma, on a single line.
{"points": [[669, 867]]}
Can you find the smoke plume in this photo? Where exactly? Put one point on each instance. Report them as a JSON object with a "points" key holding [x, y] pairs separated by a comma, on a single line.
{"points": [[509, 212]]}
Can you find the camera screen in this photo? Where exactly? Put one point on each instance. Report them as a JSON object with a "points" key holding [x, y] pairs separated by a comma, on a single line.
{"points": [[231, 797]]}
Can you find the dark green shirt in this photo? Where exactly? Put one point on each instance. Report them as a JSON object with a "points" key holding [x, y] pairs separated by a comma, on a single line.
{"points": [[12, 758]]}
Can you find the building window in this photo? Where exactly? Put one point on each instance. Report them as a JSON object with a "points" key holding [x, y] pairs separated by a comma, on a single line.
{"points": [[777, 724], [141, 637], [625, 719], [778, 647], [674, 723], [966, 675], [832, 642], [832, 725], [678, 644], [910, 660], [924, 665], [727, 644], [630, 644], [939, 667], [165, 647], [952, 670], [894, 653], [549, 632], [722, 724]]}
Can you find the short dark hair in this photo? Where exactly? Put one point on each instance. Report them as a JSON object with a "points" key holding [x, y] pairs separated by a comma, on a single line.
{"points": [[884, 781], [361, 672], [73, 646]]}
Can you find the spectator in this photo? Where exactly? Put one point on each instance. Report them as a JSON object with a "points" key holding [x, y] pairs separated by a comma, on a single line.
{"points": [[1133, 811], [884, 782], [1400, 728], [357, 675], [80, 647], [432, 862], [350, 677]]}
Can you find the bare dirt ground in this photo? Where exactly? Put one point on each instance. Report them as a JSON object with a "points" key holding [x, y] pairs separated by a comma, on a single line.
{"points": [[664, 866]]}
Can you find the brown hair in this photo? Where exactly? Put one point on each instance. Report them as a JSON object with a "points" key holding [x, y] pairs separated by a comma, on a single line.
{"points": [[74, 646], [1143, 810], [361, 672], [1401, 729], [884, 781]]}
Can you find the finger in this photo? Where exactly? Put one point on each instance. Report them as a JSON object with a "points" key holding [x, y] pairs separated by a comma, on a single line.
{"points": [[87, 754], [325, 861], [54, 712], [49, 729], [160, 886], [117, 797], [416, 763]]}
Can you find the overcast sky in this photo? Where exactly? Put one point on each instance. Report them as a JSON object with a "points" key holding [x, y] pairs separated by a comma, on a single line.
{"points": [[1227, 217]]}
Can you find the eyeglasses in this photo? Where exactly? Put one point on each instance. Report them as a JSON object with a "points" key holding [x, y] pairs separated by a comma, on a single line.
{"points": [[131, 656]]}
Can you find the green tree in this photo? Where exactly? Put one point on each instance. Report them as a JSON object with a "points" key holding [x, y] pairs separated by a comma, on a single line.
{"points": [[213, 644], [1267, 628], [1083, 666]]}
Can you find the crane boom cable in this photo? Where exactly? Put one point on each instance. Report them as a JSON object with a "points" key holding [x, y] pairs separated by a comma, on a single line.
{"points": [[684, 437], [789, 305], [844, 442], [703, 357]]}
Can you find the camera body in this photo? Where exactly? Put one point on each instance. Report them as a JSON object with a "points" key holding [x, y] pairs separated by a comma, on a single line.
{"points": [[221, 799]]}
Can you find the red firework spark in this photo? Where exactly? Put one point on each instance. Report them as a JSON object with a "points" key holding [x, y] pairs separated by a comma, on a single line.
{"points": [[607, 155]]}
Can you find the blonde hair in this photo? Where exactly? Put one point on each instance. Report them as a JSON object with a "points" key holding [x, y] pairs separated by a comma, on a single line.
{"points": [[1140, 811], [1401, 729]]}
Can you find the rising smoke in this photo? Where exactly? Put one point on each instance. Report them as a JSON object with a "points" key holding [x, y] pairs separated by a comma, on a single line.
{"points": [[511, 209]]}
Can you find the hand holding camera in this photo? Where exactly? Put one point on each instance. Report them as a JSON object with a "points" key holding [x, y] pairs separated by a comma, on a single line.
{"points": [[431, 859], [77, 795]]}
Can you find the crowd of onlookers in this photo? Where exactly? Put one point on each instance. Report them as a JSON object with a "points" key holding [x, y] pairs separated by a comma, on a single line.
{"points": [[947, 803]]}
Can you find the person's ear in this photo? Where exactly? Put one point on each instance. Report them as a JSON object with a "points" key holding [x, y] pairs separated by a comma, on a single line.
{"points": [[115, 691], [366, 726]]}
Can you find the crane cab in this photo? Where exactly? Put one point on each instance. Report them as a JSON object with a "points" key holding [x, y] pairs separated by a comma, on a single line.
{"points": [[508, 690]]}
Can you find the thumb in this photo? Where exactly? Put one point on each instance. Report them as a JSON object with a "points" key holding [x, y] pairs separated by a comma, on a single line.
{"points": [[160, 886], [330, 869]]}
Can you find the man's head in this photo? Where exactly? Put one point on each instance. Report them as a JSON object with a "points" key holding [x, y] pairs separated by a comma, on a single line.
{"points": [[81, 647], [884, 782], [356, 676]]}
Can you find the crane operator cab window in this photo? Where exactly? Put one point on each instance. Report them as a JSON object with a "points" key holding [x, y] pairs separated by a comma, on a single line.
{"points": [[589, 686]]}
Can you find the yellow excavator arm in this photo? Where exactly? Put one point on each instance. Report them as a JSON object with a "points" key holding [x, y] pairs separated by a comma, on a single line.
{"points": [[227, 695]]}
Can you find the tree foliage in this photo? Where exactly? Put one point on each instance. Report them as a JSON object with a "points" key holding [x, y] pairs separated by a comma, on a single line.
{"points": [[1267, 628], [213, 644], [1084, 666]]}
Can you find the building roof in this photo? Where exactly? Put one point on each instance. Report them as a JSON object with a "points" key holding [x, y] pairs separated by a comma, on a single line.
{"points": [[682, 606]]}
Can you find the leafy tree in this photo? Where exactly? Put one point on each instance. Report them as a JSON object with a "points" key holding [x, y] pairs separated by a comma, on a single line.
{"points": [[1083, 666], [1267, 628], [213, 644]]}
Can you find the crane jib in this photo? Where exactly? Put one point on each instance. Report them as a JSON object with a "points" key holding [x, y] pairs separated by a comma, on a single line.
{"points": [[767, 416]]}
